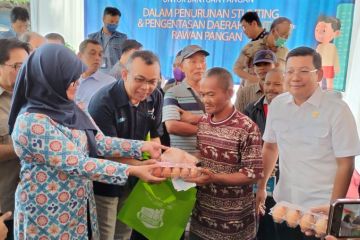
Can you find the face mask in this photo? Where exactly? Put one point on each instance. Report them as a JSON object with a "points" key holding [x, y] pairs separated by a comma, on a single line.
{"points": [[280, 42], [112, 27], [178, 74]]}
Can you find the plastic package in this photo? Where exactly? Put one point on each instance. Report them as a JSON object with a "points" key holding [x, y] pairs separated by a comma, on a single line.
{"points": [[295, 215], [176, 163], [176, 155]]}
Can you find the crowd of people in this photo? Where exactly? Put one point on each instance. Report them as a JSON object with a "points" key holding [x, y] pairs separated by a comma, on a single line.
{"points": [[73, 129]]}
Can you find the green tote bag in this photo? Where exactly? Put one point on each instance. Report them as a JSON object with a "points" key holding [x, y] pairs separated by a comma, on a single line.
{"points": [[158, 211]]}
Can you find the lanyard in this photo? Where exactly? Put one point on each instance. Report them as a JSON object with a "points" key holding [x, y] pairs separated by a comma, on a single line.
{"points": [[102, 41]]}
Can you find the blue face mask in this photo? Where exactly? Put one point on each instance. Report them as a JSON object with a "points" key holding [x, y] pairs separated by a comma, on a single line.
{"points": [[280, 42], [112, 27]]}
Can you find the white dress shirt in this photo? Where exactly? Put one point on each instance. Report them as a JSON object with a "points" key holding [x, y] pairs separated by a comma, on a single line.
{"points": [[310, 137]]}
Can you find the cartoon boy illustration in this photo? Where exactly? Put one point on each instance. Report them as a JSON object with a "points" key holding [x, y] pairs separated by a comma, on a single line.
{"points": [[328, 28]]}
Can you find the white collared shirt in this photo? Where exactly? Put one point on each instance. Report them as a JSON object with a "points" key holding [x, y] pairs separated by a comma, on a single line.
{"points": [[310, 137]]}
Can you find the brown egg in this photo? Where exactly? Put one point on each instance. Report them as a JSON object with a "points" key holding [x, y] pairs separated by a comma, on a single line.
{"points": [[292, 217], [157, 172], [278, 213], [175, 173], [321, 226], [307, 221], [194, 172], [184, 172], [166, 172]]}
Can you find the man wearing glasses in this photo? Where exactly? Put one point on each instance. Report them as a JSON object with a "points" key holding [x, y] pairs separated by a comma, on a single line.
{"points": [[129, 108], [314, 133], [13, 53], [280, 31]]}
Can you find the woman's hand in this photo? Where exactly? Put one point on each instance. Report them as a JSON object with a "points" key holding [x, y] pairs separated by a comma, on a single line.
{"points": [[3, 228], [153, 148], [145, 173]]}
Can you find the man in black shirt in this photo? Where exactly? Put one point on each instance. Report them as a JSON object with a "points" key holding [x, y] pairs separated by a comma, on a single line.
{"points": [[130, 108]]}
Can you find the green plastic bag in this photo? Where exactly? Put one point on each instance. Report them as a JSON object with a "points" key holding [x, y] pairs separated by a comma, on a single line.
{"points": [[158, 211]]}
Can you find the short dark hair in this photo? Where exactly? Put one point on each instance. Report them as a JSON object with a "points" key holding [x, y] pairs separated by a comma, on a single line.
{"points": [[6, 45], [335, 22], [223, 76], [55, 36], [112, 11], [147, 56], [19, 13], [249, 17], [278, 21], [130, 44], [84, 44], [306, 51]]}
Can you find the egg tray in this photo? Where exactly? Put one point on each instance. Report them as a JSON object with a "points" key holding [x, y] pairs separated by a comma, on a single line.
{"points": [[176, 170], [295, 215]]}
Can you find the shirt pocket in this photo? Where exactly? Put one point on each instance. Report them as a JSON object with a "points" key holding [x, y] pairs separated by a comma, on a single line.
{"points": [[316, 135]]}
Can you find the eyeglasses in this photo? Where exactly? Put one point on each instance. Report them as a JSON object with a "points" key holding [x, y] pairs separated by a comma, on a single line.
{"points": [[15, 66], [301, 72]]}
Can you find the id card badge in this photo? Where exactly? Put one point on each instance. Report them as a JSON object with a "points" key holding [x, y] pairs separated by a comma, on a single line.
{"points": [[104, 63], [270, 186]]}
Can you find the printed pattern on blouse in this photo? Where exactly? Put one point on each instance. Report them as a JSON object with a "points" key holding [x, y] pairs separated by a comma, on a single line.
{"points": [[222, 211], [56, 175]]}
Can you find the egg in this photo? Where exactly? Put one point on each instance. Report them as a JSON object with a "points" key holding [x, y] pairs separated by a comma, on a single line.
{"points": [[321, 226], [184, 172], [166, 172], [307, 221], [292, 217], [194, 172], [278, 213], [175, 173], [157, 172]]}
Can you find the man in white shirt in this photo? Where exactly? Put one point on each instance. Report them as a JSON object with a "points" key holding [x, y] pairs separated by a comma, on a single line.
{"points": [[315, 135]]}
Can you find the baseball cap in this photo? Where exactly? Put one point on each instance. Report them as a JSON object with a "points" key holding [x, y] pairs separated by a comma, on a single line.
{"points": [[190, 50], [264, 56]]}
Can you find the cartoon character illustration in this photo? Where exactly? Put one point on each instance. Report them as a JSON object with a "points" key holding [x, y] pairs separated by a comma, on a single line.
{"points": [[328, 28]]}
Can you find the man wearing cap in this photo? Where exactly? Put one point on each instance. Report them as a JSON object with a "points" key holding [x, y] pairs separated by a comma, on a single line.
{"points": [[183, 99], [264, 61], [280, 31]]}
